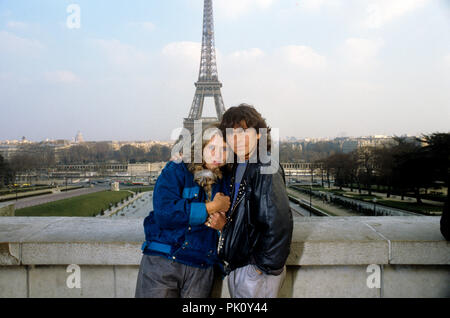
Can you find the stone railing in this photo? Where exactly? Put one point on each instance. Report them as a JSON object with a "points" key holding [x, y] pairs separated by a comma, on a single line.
{"points": [[7, 209], [330, 257]]}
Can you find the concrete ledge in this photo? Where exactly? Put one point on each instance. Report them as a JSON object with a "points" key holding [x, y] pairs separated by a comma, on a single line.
{"points": [[316, 241], [81, 253], [333, 241], [9, 254], [13, 282], [7, 208], [50, 281], [329, 257]]}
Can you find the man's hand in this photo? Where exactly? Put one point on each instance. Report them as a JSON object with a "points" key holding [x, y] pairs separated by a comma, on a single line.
{"points": [[221, 203], [216, 221]]}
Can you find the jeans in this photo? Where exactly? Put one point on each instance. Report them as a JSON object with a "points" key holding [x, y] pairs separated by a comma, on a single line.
{"points": [[163, 278], [246, 282]]}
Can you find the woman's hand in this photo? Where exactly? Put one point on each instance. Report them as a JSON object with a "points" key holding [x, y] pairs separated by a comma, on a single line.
{"points": [[221, 203], [216, 221]]}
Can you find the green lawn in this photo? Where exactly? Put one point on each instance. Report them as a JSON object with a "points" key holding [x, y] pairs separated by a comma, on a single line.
{"points": [[319, 188], [84, 205], [4, 191]]}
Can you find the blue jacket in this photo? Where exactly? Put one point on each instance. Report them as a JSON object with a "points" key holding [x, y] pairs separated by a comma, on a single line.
{"points": [[175, 229]]}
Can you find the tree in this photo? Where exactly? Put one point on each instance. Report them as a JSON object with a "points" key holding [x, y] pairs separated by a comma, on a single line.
{"points": [[6, 173], [366, 164], [78, 154], [23, 162], [385, 165], [405, 166], [412, 169], [101, 151], [436, 155], [158, 153], [352, 168], [129, 152], [327, 169], [339, 164]]}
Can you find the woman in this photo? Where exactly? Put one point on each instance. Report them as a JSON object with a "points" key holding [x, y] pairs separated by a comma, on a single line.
{"points": [[180, 251]]}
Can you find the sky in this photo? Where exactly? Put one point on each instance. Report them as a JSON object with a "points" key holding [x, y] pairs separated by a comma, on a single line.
{"points": [[313, 68]]}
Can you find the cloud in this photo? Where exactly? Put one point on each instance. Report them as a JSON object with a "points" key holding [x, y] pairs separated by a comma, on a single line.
{"points": [[16, 25], [316, 5], [359, 51], [180, 61], [247, 54], [14, 44], [235, 8], [447, 60], [5, 13], [185, 50], [122, 55], [146, 25], [62, 77], [381, 12], [303, 56], [247, 61]]}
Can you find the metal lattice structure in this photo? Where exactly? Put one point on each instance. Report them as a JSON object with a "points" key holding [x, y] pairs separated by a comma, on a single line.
{"points": [[208, 84]]}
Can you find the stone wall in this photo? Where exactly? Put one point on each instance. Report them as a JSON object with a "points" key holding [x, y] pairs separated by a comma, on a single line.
{"points": [[330, 257], [7, 209]]}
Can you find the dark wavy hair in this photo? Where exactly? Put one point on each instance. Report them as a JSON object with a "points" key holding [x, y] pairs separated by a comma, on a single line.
{"points": [[234, 115]]}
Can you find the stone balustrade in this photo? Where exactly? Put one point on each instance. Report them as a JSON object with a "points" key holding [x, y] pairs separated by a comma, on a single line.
{"points": [[7, 209], [330, 257]]}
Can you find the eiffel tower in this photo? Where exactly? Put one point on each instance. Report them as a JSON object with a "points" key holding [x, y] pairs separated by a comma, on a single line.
{"points": [[208, 84]]}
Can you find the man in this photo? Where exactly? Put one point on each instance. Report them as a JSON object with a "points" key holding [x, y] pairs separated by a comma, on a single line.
{"points": [[255, 242]]}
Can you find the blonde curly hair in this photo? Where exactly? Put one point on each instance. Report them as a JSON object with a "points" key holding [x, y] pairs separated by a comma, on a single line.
{"points": [[203, 176]]}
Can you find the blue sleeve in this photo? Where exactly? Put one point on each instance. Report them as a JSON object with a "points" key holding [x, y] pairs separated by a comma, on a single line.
{"points": [[198, 213], [171, 210]]}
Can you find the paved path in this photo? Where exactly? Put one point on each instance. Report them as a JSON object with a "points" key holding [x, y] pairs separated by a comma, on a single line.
{"points": [[327, 207], [32, 201], [298, 211], [138, 209]]}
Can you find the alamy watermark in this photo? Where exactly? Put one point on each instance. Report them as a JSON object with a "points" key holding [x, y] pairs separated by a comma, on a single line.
{"points": [[74, 19], [74, 279], [374, 279], [238, 142]]}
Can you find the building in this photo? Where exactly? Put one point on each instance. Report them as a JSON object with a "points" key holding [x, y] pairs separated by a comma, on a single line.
{"points": [[79, 138], [145, 169]]}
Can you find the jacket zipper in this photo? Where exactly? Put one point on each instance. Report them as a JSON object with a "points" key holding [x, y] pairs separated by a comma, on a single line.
{"points": [[229, 218]]}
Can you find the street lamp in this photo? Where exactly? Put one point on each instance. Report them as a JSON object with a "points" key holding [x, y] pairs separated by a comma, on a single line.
{"points": [[310, 195]]}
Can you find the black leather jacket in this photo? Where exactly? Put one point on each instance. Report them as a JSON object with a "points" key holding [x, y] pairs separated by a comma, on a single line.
{"points": [[259, 224]]}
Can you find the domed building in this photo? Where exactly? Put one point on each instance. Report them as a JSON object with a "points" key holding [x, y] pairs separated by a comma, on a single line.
{"points": [[79, 138]]}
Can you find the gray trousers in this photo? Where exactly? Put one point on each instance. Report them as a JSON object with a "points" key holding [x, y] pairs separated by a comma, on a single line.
{"points": [[246, 282], [162, 278]]}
